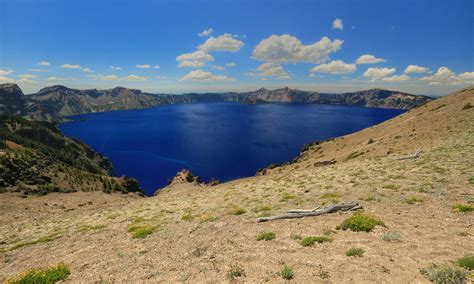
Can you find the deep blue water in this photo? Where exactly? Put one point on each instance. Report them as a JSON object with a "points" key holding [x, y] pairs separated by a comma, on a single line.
{"points": [[213, 140]]}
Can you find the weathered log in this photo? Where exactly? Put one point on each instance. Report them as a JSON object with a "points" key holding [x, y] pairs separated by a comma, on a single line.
{"points": [[412, 156], [300, 213]]}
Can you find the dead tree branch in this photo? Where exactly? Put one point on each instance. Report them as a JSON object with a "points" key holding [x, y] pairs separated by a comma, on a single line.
{"points": [[300, 213]]}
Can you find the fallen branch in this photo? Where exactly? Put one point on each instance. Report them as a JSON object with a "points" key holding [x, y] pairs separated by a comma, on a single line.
{"points": [[300, 213], [412, 156]]}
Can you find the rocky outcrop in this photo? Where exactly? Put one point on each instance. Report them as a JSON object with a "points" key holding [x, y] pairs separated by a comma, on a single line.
{"points": [[184, 177]]}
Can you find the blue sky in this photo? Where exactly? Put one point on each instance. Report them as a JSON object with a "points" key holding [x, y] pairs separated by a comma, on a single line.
{"points": [[423, 47]]}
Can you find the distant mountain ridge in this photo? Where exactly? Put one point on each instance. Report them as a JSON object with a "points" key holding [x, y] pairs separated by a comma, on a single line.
{"points": [[54, 102]]}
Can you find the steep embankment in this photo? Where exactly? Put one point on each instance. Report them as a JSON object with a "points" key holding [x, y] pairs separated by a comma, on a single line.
{"points": [[35, 158], [55, 102], [209, 234]]}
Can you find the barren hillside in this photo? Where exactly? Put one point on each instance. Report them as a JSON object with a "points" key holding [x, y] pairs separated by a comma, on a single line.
{"points": [[194, 233]]}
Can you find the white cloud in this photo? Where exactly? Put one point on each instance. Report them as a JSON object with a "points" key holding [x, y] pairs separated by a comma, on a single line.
{"points": [[27, 76], [337, 24], [128, 78], [335, 67], [225, 42], [375, 74], [205, 33], [444, 76], [411, 69], [217, 67], [286, 48], [156, 66], [115, 68], [109, 78], [87, 70], [143, 66], [71, 66], [397, 78], [50, 79], [270, 70], [231, 64], [4, 79], [369, 59], [196, 59], [203, 76], [38, 70], [4, 72], [43, 63]]}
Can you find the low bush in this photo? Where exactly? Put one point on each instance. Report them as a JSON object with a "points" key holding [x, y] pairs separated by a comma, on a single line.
{"points": [[391, 236], [47, 275], [466, 262], [463, 208], [309, 241], [445, 274], [287, 273], [355, 252], [235, 272], [361, 223], [266, 236], [141, 231]]}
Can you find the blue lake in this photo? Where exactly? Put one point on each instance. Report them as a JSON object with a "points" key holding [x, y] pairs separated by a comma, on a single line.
{"points": [[213, 140]]}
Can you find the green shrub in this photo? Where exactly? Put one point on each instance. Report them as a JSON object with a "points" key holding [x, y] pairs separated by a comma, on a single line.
{"points": [[141, 231], [463, 208], [267, 236], [445, 274], [471, 180], [355, 252], [235, 272], [413, 199], [287, 273], [391, 236], [361, 223], [309, 241], [466, 262], [48, 275]]}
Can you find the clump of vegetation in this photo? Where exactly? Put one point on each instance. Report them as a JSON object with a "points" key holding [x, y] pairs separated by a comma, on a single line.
{"points": [[261, 209], [355, 252], [361, 223], [236, 211], [47, 275], [466, 262], [463, 208], [266, 236], [207, 218], [141, 231], [391, 236], [287, 273], [187, 216], [45, 239], [91, 228], [390, 186], [235, 272], [309, 241], [445, 274], [287, 196], [471, 180], [413, 199]]}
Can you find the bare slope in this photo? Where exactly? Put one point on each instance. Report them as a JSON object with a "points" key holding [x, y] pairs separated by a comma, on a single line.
{"points": [[201, 233]]}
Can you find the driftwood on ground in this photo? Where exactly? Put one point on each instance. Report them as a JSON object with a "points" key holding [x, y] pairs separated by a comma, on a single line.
{"points": [[300, 213], [412, 156]]}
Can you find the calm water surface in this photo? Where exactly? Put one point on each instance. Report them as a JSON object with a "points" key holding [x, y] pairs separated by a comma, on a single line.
{"points": [[213, 140]]}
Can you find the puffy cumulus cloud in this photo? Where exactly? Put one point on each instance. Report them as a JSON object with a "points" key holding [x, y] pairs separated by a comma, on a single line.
{"points": [[335, 67], [205, 33], [143, 66], [231, 64], [217, 67], [369, 59], [194, 60], [71, 66], [55, 79], [116, 78], [270, 70], [5, 72], [38, 70], [87, 70], [413, 69], [397, 78], [375, 74], [286, 48], [43, 63], [444, 75], [115, 68], [337, 24], [225, 42], [203, 76], [27, 76]]}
